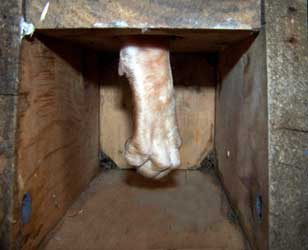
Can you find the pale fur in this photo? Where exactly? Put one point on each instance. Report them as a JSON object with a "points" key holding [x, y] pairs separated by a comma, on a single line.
{"points": [[153, 148]]}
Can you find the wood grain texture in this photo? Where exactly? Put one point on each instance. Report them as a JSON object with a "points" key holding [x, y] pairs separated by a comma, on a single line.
{"points": [[198, 14], [194, 81], [57, 137], [287, 58], [10, 12], [124, 211], [241, 134], [7, 168], [180, 40]]}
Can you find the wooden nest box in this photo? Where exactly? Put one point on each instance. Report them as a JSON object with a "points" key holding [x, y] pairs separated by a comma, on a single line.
{"points": [[240, 78]]}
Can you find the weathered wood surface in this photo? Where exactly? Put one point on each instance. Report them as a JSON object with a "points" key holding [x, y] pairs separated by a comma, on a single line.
{"points": [[287, 60], [58, 136], [241, 134], [180, 40], [10, 12], [194, 81], [121, 210], [7, 170], [197, 14]]}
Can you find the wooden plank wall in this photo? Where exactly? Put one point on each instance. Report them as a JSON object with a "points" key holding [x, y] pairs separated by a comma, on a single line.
{"points": [[57, 135], [287, 60], [10, 13], [241, 135], [7, 168], [197, 14], [194, 80]]}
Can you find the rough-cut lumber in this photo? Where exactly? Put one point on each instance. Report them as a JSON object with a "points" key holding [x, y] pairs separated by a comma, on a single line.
{"points": [[241, 135], [10, 13], [287, 69], [282, 181], [181, 40], [286, 65], [197, 14], [7, 170], [57, 136], [194, 81], [186, 211]]}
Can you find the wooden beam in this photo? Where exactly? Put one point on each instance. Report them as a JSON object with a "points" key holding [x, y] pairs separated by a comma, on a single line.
{"points": [[180, 40], [197, 14], [10, 13], [287, 60]]}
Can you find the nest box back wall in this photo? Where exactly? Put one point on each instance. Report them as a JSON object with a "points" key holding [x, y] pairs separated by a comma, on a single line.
{"points": [[194, 81]]}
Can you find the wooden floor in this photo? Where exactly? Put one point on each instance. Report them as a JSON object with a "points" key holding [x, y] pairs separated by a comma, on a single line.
{"points": [[122, 210]]}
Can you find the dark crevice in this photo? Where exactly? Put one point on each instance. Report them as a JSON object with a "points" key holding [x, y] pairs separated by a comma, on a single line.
{"points": [[211, 163], [106, 162], [293, 129], [262, 14], [24, 5]]}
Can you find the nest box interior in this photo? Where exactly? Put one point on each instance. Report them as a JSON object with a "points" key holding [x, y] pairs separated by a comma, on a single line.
{"points": [[74, 109]]}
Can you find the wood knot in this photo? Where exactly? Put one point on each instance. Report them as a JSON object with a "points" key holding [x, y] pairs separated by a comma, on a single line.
{"points": [[292, 9], [292, 40]]}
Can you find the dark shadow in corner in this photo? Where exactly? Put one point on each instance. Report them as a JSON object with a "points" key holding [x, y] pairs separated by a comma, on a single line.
{"points": [[136, 180]]}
